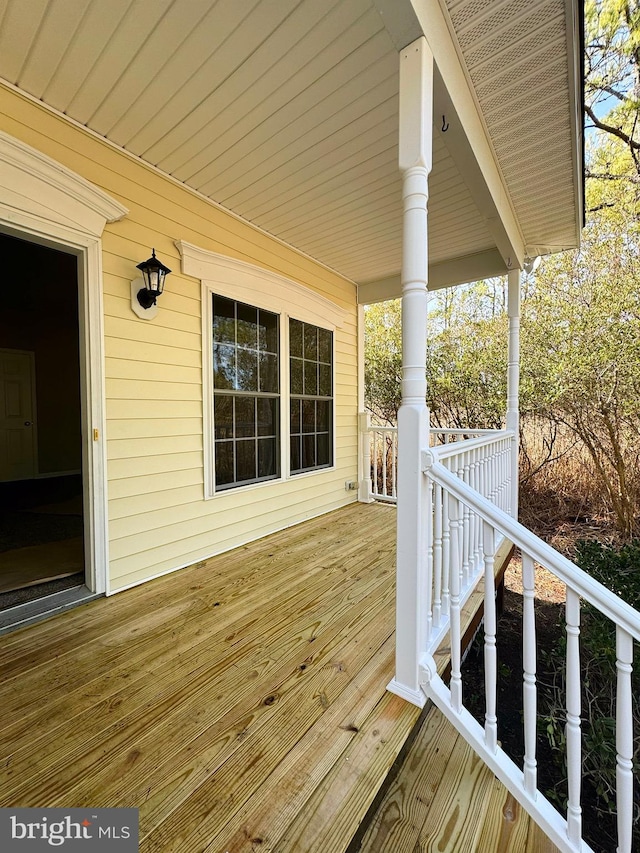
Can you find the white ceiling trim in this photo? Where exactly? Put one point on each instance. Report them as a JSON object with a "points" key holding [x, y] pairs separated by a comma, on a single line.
{"points": [[474, 267]]}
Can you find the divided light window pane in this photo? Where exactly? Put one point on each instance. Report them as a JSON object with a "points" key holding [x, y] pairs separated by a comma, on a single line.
{"points": [[246, 396], [311, 397]]}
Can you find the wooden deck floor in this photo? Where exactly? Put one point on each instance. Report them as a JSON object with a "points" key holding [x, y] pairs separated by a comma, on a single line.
{"points": [[445, 799], [239, 704]]}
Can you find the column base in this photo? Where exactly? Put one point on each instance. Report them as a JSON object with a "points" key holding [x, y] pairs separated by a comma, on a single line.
{"points": [[416, 697]]}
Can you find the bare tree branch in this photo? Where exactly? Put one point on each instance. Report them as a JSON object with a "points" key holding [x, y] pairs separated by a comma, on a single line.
{"points": [[614, 131], [602, 176], [602, 206]]}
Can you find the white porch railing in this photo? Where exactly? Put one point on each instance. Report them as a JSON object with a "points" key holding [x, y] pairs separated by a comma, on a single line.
{"points": [[469, 502], [468, 513], [483, 463], [380, 455], [381, 458]]}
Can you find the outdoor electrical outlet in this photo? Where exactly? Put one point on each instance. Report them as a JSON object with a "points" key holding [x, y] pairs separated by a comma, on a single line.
{"points": [[350, 485]]}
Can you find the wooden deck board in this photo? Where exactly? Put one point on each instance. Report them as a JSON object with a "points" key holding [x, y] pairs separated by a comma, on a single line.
{"points": [[342, 800], [149, 711], [399, 819], [454, 820], [506, 826], [156, 638], [444, 799], [240, 704]]}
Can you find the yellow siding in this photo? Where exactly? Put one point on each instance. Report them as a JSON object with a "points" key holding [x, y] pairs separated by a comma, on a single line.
{"points": [[158, 518]]}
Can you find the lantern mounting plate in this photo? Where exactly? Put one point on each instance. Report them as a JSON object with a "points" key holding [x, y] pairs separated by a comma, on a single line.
{"points": [[144, 313]]}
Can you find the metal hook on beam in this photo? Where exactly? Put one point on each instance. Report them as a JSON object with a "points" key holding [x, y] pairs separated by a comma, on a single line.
{"points": [[445, 124]]}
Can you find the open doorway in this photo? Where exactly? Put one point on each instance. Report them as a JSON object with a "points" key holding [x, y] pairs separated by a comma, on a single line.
{"points": [[41, 477]]}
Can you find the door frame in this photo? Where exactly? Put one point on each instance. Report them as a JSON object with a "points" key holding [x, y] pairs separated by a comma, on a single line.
{"points": [[43, 202], [92, 409]]}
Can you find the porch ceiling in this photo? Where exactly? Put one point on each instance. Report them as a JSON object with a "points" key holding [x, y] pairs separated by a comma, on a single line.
{"points": [[286, 112]]}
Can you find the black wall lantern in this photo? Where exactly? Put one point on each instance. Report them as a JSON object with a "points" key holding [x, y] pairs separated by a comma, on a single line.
{"points": [[153, 274]]}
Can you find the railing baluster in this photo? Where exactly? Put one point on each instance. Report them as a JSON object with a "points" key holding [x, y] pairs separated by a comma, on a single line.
{"points": [[394, 461], [385, 450], [506, 494], [375, 463], [437, 554], [491, 462], [573, 733], [473, 544], [490, 654], [465, 526], [446, 554], [529, 689], [624, 740], [429, 579], [454, 612], [477, 523], [508, 479], [460, 561]]}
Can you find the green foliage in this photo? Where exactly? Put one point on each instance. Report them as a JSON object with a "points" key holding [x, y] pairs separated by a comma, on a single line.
{"points": [[612, 77], [619, 571], [466, 357], [383, 360], [581, 351]]}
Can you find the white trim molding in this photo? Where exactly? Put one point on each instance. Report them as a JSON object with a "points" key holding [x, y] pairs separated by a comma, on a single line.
{"points": [[474, 267], [43, 201], [247, 282], [474, 154], [34, 185]]}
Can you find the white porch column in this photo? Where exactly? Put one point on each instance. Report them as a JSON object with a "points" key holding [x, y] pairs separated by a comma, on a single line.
{"points": [[513, 380], [364, 422], [412, 594]]}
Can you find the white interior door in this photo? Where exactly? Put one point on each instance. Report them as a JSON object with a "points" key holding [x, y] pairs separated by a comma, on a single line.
{"points": [[17, 415]]}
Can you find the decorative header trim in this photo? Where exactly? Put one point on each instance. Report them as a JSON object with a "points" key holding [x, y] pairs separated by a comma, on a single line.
{"points": [[33, 184], [255, 285]]}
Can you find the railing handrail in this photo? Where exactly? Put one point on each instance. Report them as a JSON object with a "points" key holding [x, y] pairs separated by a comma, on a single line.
{"points": [[380, 448], [437, 431], [617, 610], [444, 451], [467, 431]]}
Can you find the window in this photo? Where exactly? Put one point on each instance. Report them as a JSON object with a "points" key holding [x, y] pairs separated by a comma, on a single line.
{"points": [[246, 399], [311, 400]]}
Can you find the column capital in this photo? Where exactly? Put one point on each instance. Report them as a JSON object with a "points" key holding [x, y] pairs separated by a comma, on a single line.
{"points": [[416, 105]]}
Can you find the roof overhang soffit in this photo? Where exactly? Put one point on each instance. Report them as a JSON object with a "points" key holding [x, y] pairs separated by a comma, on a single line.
{"points": [[479, 265], [466, 137]]}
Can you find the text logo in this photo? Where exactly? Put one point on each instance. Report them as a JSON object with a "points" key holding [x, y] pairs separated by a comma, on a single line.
{"points": [[70, 830]]}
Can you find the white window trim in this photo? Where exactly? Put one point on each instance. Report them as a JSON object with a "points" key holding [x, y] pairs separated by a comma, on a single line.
{"points": [[256, 286]]}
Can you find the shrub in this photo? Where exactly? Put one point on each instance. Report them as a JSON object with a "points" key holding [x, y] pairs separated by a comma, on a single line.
{"points": [[619, 570]]}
